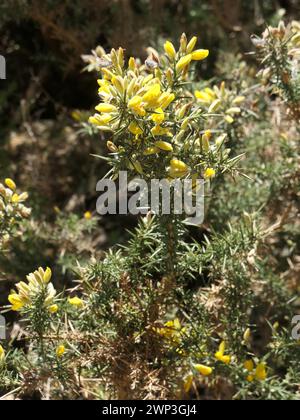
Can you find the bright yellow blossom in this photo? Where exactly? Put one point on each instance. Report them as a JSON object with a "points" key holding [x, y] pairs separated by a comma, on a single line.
{"points": [[200, 55], [38, 282], [261, 372], [10, 184], [183, 63], [172, 331], [60, 351], [152, 96], [16, 301], [249, 365], [105, 108], [209, 173], [88, 215], [161, 131], [220, 355], [159, 116], [203, 370], [75, 301], [167, 100], [204, 96], [170, 50], [53, 309], [135, 129], [191, 45]]}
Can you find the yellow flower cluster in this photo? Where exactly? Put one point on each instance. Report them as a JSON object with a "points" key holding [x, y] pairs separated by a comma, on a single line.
{"points": [[12, 209], [206, 370], [221, 101], [149, 111], [38, 284], [220, 355], [172, 331], [258, 373]]}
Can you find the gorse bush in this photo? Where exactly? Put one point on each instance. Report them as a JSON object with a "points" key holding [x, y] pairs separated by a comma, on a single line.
{"points": [[177, 311]]}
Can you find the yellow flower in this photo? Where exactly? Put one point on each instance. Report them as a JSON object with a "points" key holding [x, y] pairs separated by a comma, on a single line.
{"points": [[204, 96], [221, 356], [15, 198], [191, 45], [203, 370], [2, 354], [165, 102], [249, 365], [160, 131], [10, 184], [183, 63], [179, 166], [100, 120], [209, 173], [105, 108], [75, 301], [165, 146], [88, 215], [135, 102], [188, 382], [261, 372], [135, 129], [47, 275], [37, 282], [172, 331], [132, 64], [200, 55], [152, 96], [159, 116], [53, 309], [170, 50], [60, 351], [16, 301]]}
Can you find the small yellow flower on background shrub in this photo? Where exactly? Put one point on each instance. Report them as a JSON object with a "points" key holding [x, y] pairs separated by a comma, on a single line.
{"points": [[75, 301], [60, 351], [37, 283]]}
